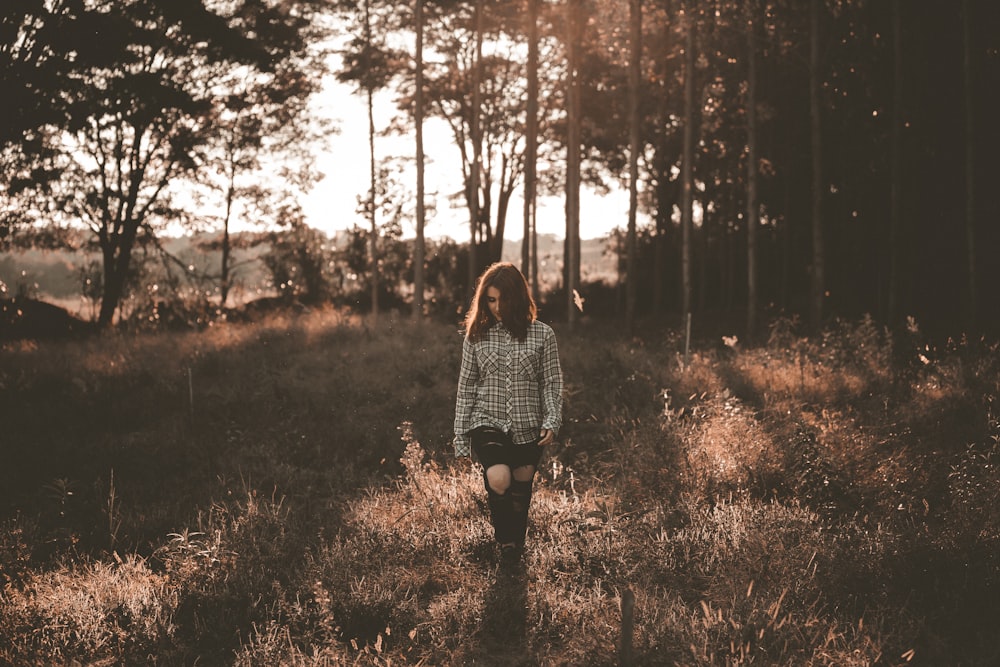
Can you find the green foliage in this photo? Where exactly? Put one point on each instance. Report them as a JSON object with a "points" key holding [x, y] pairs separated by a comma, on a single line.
{"points": [[285, 494]]}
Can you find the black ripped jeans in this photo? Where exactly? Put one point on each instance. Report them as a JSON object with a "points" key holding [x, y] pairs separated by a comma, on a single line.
{"points": [[508, 510]]}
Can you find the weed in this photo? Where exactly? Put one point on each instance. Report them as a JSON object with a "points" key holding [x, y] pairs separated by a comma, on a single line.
{"points": [[285, 494]]}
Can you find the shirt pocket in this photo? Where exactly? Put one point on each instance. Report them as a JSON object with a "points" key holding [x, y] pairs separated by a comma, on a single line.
{"points": [[527, 364], [489, 362]]}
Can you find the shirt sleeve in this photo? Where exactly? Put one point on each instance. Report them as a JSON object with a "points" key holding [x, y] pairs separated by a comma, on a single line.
{"points": [[552, 384], [468, 377]]}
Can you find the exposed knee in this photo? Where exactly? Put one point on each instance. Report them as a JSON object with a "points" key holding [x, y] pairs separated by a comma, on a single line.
{"points": [[498, 479]]}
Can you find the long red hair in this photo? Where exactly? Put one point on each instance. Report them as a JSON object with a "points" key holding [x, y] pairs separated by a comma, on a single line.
{"points": [[517, 308]]}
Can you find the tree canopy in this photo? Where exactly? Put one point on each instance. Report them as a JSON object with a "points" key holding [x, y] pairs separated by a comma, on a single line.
{"points": [[111, 121], [800, 158]]}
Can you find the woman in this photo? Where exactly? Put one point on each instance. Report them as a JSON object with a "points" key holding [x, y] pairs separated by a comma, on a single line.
{"points": [[509, 402]]}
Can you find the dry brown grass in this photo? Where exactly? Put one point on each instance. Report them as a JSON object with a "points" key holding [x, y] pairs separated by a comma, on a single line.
{"points": [[828, 500]]}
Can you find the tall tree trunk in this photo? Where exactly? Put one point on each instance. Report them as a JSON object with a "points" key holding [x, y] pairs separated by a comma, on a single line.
{"points": [[111, 290], [635, 63], [727, 265], [529, 264], [970, 164], [818, 288], [572, 256], [373, 191], [117, 250], [701, 255], [373, 240], [687, 172], [817, 293], [664, 210], [418, 113], [896, 160], [506, 190], [534, 248], [224, 279], [477, 149], [786, 239], [664, 207], [752, 208], [896, 166]]}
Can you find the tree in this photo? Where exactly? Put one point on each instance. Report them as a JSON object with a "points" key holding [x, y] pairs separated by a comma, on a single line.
{"points": [[263, 118], [46, 51], [134, 123], [45, 61], [392, 199], [370, 64], [476, 85], [970, 163], [529, 242], [663, 138], [475, 172], [634, 71], [300, 260], [896, 166], [752, 204], [571, 262], [687, 166], [119, 166], [818, 273], [419, 248]]}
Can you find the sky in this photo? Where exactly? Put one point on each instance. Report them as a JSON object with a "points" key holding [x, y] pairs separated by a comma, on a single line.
{"points": [[332, 204]]}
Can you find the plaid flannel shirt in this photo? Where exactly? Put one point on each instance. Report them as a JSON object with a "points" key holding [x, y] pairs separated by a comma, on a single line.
{"points": [[513, 386]]}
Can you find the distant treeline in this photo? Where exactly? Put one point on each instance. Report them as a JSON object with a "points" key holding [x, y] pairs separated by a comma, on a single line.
{"points": [[825, 159], [186, 269]]}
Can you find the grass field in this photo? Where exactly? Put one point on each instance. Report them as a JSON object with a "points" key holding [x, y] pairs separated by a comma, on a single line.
{"points": [[284, 494]]}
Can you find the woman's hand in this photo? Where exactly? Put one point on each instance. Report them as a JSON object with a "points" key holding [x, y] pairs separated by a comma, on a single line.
{"points": [[547, 436]]}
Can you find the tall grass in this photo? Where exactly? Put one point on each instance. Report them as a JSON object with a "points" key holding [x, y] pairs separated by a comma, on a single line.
{"points": [[284, 494]]}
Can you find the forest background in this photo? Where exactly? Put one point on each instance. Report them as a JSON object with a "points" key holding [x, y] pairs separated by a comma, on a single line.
{"points": [[821, 159], [245, 457]]}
